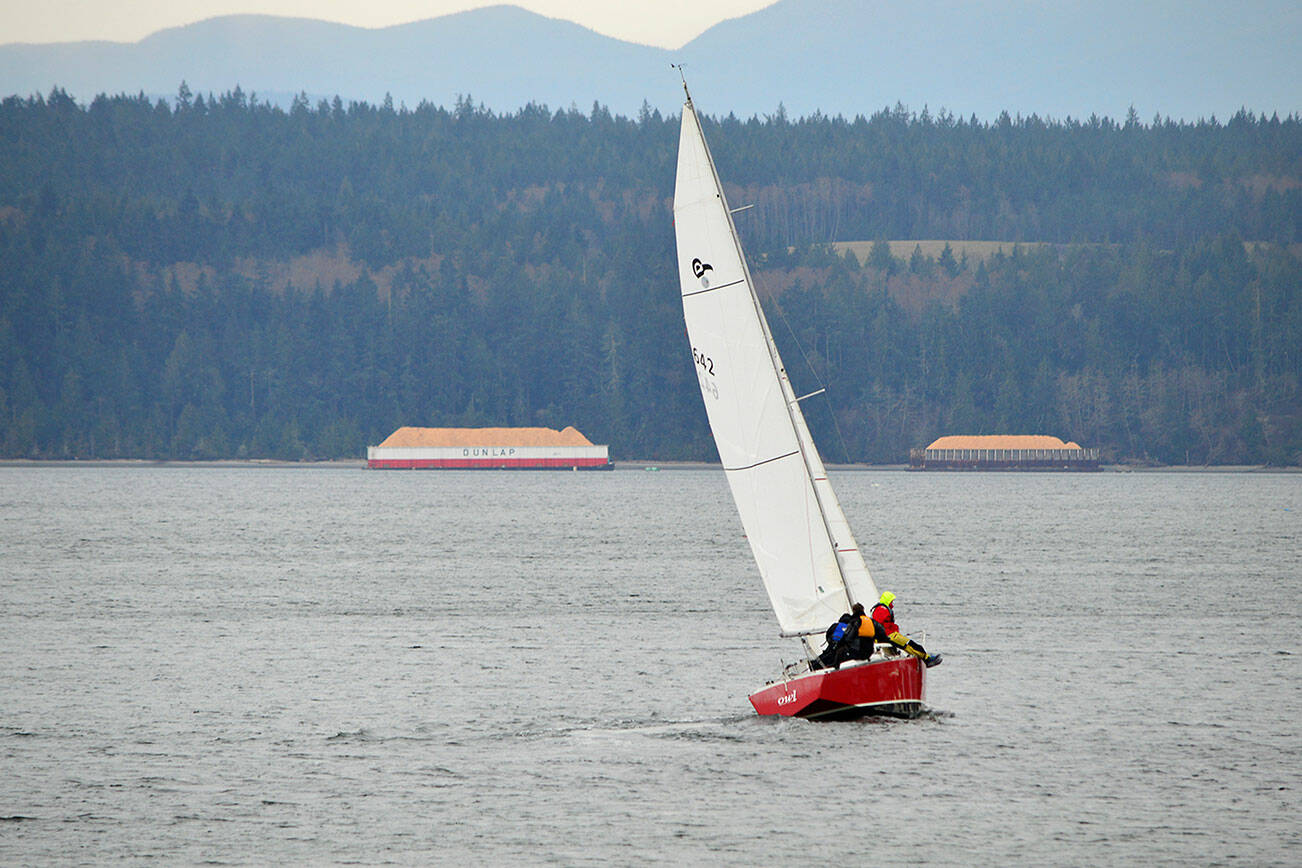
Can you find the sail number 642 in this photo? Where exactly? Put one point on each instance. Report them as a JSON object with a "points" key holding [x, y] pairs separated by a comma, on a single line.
{"points": [[705, 373], [706, 363]]}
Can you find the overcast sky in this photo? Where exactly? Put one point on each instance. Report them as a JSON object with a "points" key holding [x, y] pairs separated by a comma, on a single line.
{"points": [[663, 23]]}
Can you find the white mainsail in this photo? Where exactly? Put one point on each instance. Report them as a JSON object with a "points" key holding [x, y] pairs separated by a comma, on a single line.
{"points": [[807, 555]]}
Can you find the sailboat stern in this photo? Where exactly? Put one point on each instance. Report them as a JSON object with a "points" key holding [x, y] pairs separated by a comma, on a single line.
{"points": [[894, 687]]}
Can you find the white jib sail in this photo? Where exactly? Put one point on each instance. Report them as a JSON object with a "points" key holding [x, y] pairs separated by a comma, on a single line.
{"points": [[807, 556]]}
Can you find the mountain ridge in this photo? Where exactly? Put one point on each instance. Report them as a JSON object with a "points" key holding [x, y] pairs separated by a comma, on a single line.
{"points": [[1186, 60]]}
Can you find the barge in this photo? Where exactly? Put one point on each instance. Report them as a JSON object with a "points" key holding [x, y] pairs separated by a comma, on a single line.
{"points": [[411, 448], [1003, 452]]}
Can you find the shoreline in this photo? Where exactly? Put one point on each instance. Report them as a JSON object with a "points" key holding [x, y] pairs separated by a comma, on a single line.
{"points": [[624, 465]]}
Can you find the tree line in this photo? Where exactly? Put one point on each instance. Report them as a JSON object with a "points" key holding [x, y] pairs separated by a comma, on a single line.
{"points": [[518, 269]]}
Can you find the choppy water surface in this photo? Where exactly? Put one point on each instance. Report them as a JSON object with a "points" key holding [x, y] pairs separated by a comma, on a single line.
{"points": [[327, 665]]}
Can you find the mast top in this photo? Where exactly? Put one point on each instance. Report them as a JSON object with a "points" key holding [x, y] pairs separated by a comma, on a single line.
{"points": [[688, 93]]}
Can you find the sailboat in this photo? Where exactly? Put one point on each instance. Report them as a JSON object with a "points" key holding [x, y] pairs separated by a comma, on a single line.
{"points": [[807, 556]]}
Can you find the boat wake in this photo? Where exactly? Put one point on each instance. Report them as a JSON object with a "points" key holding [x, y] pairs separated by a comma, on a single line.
{"points": [[714, 729]]}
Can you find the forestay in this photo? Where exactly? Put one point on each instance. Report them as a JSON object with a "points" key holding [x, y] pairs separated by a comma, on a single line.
{"points": [[807, 556]]}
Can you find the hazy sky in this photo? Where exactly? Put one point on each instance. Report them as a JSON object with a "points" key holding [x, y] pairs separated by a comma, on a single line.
{"points": [[664, 23]]}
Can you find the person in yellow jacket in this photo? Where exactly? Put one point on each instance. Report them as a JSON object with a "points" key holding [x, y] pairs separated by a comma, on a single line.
{"points": [[880, 626]]}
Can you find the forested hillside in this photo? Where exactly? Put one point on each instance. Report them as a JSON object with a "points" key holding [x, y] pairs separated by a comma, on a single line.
{"points": [[215, 277]]}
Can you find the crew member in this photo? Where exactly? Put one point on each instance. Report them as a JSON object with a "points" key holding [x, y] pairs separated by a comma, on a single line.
{"points": [[884, 629], [844, 640]]}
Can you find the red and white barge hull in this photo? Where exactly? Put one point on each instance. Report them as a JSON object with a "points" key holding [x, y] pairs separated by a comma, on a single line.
{"points": [[488, 458]]}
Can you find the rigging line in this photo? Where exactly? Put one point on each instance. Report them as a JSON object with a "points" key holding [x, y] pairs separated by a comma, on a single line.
{"points": [[758, 463], [845, 449]]}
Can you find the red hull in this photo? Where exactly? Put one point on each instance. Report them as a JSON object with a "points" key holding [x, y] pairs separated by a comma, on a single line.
{"points": [[894, 686], [488, 464]]}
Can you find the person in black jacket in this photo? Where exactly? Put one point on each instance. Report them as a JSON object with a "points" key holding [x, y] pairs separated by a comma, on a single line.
{"points": [[844, 642]]}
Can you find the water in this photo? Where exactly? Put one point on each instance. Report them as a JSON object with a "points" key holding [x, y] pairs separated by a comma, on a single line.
{"points": [[234, 665]]}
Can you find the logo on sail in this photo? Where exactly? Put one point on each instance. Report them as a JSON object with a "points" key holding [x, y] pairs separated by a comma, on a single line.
{"points": [[699, 268]]}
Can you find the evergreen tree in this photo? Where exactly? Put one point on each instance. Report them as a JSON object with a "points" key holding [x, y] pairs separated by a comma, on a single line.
{"points": [[213, 276]]}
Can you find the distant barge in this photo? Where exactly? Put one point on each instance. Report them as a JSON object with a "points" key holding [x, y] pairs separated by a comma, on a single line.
{"points": [[487, 449], [1003, 452]]}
